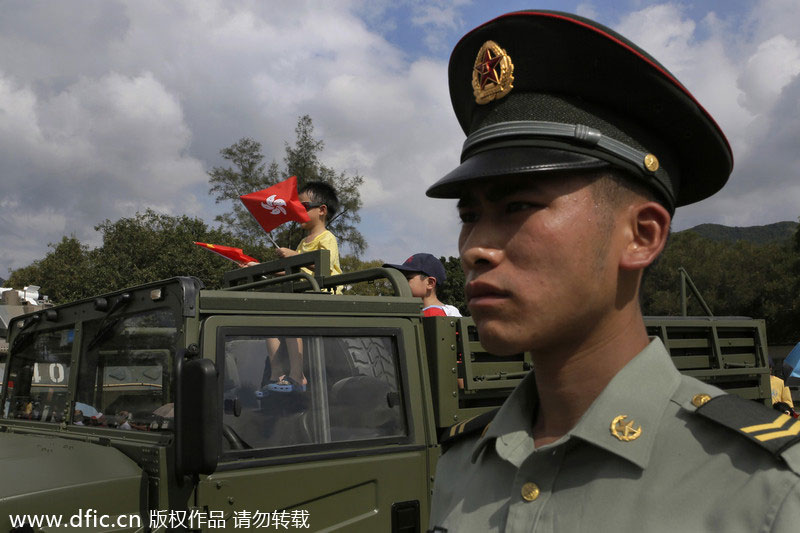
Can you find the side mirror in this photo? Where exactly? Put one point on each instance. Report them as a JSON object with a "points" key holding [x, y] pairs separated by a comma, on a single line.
{"points": [[197, 417]]}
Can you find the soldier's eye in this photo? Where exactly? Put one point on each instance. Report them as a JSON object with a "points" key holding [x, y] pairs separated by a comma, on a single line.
{"points": [[467, 217], [515, 207]]}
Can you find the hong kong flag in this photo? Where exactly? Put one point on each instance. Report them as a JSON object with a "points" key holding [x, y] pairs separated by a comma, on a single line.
{"points": [[234, 254], [275, 205]]}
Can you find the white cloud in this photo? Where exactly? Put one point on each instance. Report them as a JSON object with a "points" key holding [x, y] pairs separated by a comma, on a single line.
{"points": [[703, 66], [101, 148], [768, 18], [664, 31], [587, 10], [744, 72], [124, 105], [22, 231], [434, 18], [18, 126], [751, 208], [771, 68], [131, 120]]}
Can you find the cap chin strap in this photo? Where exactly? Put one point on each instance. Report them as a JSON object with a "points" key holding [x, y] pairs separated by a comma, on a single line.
{"points": [[573, 133], [587, 140]]}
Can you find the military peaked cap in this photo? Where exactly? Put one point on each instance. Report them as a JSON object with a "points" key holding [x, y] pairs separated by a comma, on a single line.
{"points": [[545, 91]]}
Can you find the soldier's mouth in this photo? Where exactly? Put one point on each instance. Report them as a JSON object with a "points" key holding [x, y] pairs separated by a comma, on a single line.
{"points": [[481, 293]]}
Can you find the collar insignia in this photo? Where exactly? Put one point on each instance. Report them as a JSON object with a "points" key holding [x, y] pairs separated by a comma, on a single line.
{"points": [[624, 432], [493, 74]]}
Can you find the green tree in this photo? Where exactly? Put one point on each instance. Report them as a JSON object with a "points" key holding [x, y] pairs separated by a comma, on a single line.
{"points": [[734, 278], [152, 246], [452, 292], [64, 275], [302, 160], [146, 247], [379, 287], [248, 174]]}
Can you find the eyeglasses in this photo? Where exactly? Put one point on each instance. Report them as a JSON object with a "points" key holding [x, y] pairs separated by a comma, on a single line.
{"points": [[311, 205]]}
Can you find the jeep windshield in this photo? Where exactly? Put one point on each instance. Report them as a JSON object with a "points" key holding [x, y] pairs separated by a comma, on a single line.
{"points": [[124, 371]]}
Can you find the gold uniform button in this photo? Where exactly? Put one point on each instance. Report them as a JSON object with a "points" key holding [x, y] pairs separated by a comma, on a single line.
{"points": [[651, 162], [530, 491], [700, 399]]}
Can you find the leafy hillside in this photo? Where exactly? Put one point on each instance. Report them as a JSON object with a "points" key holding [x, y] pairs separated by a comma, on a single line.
{"points": [[777, 232], [752, 271]]}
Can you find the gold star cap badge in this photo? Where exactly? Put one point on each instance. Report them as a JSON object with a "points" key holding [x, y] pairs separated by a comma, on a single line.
{"points": [[493, 75], [624, 431]]}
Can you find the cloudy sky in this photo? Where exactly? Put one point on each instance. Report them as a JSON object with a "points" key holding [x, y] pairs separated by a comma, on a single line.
{"points": [[109, 107]]}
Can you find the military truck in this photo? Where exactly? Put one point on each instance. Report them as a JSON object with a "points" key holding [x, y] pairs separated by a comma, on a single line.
{"points": [[148, 409]]}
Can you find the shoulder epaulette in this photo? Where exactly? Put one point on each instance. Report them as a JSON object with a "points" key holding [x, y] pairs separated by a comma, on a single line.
{"points": [[766, 427], [466, 428]]}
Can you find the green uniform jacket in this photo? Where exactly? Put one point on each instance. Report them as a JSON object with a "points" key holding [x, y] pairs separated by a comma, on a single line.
{"points": [[684, 471]]}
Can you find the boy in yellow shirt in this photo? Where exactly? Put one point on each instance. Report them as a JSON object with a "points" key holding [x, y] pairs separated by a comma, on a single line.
{"points": [[321, 203]]}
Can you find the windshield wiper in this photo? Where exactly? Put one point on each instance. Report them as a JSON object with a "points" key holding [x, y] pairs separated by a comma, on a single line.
{"points": [[21, 341], [23, 337], [103, 333], [107, 326]]}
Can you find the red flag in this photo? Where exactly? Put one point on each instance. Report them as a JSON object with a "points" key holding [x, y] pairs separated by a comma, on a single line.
{"points": [[275, 205], [234, 254]]}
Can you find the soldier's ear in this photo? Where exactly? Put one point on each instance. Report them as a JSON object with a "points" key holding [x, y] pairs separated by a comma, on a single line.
{"points": [[647, 227]]}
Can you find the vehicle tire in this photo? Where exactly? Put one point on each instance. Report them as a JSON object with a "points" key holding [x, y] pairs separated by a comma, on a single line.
{"points": [[372, 357]]}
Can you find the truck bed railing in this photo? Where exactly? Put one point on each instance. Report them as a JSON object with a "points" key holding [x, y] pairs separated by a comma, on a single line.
{"points": [[286, 275], [466, 379], [730, 353]]}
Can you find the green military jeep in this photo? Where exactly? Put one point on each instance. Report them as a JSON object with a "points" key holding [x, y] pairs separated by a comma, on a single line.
{"points": [[150, 409]]}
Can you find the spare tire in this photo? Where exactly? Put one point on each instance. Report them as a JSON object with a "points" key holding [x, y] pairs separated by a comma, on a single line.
{"points": [[372, 356]]}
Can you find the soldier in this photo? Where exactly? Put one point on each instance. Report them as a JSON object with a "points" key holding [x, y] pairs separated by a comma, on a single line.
{"points": [[579, 148]]}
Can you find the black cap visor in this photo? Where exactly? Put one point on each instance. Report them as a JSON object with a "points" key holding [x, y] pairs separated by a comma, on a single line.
{"points": [[511, 161]]}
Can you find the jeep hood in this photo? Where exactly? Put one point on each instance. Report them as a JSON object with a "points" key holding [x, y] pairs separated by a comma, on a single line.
{"points": [[45, 474]]}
